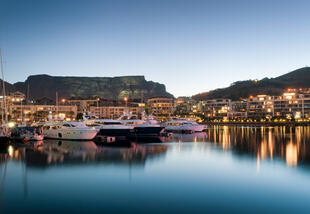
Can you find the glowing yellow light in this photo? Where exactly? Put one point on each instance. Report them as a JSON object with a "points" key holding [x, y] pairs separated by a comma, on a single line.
{"points": [[62, 115], [298, 115], [11, 124], [10, 151]]}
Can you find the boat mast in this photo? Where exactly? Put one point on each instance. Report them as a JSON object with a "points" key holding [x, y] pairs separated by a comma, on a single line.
{"points": [[56, 104], [3, 92]]}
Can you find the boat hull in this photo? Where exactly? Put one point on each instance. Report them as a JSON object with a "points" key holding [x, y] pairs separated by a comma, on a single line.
{"points": [[147, 132], [119, 135], [186, 128], [70, 134]]}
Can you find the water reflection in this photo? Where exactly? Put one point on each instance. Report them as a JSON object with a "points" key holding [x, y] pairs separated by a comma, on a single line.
{"points": [[290, 144], [195, 137], [188, 173], [263, 143], [53, 153]]}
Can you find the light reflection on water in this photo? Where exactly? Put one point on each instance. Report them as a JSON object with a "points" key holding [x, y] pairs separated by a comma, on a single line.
{"points": [[289, 144], [248, 169]]}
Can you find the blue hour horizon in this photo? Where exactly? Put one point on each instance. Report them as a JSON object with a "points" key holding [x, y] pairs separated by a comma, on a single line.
{"points": [[190, 46]]}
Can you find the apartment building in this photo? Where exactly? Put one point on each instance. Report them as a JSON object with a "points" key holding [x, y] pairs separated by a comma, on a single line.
{"points": [[293, 104], [161, 107], [114, 112], [216, 108], [41, 112]]}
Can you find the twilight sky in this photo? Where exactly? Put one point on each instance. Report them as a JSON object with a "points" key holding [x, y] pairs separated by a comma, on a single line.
{"points": [[191, 46]]}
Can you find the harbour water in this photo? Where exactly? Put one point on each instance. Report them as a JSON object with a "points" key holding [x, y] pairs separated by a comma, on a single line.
{"points": [[223, 170]]}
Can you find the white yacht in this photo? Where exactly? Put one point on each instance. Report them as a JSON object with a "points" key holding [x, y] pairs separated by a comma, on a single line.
{"points": [[184, 125], [69, 131], [147, 128], [111, 128]]}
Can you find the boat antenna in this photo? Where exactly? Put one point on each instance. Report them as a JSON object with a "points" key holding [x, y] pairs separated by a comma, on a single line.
{"points": [[3, 90]]}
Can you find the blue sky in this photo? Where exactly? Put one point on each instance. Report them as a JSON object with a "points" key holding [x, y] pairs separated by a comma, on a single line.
{"points": [[191, 46]]}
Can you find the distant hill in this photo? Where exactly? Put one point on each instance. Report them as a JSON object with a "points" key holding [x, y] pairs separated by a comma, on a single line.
{"points": [[8, 87], [299, 78], [112, 88]]}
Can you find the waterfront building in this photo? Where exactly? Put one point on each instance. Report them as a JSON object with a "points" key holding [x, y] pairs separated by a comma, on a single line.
{"points": [[290, 105], [185, 105], [260, 106], [114, 112], [161, 107], [238, 110], [16, 98], [83, 105], [293, 104], [216, 108], [41, 112]]}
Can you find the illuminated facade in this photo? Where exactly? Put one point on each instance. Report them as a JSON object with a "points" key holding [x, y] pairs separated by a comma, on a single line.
{"points": [[82, 105], [293, 104], [161, 106], [114, 112], [216, 108], [185, 105], [260, 106], [238, 110], [41, 112]]}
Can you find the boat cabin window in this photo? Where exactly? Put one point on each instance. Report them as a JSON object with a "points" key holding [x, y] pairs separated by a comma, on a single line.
{"points": [[68, 125], [109, 123], [175, 124]]}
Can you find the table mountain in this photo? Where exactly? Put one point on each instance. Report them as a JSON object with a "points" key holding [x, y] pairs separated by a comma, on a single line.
{"points": [[111, 88]]}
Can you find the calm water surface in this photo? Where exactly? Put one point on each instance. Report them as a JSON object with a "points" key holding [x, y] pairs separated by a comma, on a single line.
{"points": [[224, 170]]}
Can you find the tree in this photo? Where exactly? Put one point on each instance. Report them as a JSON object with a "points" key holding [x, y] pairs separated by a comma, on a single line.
{"points": [[79, 116]]}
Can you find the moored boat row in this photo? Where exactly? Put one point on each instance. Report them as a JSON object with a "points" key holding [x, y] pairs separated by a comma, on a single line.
{"points": [[126, 128]]}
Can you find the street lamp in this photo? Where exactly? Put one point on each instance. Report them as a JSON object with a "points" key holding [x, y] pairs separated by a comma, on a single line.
{"points": [[126, 99], [98, 99]]}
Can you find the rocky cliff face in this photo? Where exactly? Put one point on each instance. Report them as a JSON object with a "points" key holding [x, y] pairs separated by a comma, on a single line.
{"points": [[112, 88]]}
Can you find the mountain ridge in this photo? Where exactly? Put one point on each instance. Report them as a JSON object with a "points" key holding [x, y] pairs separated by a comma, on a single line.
{"points": [[299, 78], [111, 88]]}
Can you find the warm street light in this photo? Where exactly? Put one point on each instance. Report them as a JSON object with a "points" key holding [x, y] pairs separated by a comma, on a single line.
{"points": [[126, 99], [98, 99]]}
